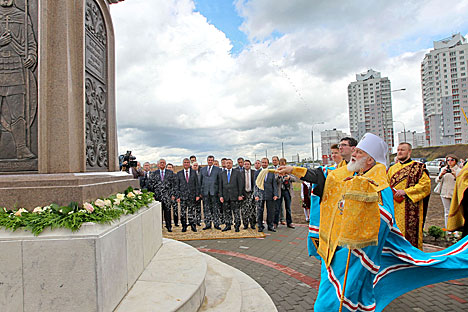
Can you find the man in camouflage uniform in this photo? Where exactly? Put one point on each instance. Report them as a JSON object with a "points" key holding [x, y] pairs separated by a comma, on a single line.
{"points": [[18, 57], [188, 193], [162, 183]]}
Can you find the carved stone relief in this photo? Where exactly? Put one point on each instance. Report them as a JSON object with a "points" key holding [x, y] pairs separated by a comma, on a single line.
{"points": [[18, 85], [96, 88]]}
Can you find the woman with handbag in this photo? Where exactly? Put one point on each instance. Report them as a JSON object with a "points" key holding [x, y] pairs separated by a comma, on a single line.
{"points": [[446, 183]]}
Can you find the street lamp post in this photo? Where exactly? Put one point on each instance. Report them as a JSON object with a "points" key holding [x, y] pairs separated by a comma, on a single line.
{"points": [[312, 137], [404, 128]]}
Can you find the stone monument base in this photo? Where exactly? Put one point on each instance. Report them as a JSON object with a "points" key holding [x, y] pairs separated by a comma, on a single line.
{"points": [[32, 190], [90, 270]]}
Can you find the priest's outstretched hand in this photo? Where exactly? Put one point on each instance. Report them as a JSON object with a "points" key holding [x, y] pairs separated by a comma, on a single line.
{"points": [[282, 170]]}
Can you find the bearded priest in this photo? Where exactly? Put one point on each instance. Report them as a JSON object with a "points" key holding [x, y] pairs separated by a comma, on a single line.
{"points": [[358, 238]]}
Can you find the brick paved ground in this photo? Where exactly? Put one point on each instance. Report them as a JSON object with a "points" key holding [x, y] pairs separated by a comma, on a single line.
{"points": [[280, 264]]}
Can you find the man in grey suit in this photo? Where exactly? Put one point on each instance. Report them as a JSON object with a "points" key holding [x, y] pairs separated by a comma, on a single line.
{"points": [[269, 196], [209, 189], [230, 193]]}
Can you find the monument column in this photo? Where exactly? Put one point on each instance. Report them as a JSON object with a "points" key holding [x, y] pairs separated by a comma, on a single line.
{"points": [[58, 138], [66, 53]]}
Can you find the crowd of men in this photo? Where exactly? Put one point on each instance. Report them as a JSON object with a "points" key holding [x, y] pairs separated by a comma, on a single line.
{"points": [[229, 196]]}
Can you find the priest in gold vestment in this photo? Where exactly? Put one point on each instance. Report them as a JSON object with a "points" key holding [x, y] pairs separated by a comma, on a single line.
{"points": [[458, 214], [411, 184]]}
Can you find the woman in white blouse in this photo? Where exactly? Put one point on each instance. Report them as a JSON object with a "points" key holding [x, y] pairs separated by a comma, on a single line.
{"points": [[447, 177]]}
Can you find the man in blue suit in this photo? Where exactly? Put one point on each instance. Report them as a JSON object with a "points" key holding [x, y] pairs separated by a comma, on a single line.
{"points": [[209, 189], [230, 193], [268, 196]]}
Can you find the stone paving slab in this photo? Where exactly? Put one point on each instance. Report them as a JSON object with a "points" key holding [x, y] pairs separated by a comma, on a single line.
{"points": [[280, 264]]}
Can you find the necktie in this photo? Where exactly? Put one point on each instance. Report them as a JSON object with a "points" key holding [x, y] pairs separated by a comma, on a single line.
{"points": [[266, 176], [229, 176], [247, 180], [186, 175], [209, 170], [162, 175]]}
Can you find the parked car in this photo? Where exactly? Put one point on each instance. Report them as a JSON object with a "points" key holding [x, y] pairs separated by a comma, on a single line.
{"points": [[422, 160], [433, 167]]}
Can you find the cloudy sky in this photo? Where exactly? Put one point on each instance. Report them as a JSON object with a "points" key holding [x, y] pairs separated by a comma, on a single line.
{"points": [[239, 77]]}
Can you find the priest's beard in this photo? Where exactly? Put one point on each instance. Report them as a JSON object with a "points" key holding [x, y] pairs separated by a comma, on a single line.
{"points": [[356, 165]]}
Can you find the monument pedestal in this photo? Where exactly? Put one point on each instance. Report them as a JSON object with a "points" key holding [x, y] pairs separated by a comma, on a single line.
{"points": [[32, 190], [90, 270]]}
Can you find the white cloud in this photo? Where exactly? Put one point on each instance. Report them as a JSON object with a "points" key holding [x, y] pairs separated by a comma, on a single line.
{"points": [[181, 92]]}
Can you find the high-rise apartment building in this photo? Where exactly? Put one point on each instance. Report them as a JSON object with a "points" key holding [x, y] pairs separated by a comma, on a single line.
{"points": [[416, 139], [445, 91], [328, 138], [370, 106]]}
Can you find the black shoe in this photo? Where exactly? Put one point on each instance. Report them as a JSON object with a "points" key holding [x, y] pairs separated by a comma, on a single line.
{"points": [[184, 228], [246, 227], [291, 226], [177, 224], [271, 230], [207, 227], [199, 223], [260, 229], [252, 226], [217, 227], [237, 229], [194, 227], [169, 229], [227, 228]]}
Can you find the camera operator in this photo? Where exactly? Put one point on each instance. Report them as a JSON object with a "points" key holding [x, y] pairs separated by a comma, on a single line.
{"points": [[130, 165], [447, 178]]}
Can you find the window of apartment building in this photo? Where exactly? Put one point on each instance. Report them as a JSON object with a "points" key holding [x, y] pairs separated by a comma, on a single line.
{"points": [[462, 57], [445, 70], [445, 65], [461, 52]]}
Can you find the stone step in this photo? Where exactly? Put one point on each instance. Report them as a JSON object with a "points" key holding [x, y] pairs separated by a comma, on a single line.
{"points": [[228, 289], [180, 278], [173, 281]]}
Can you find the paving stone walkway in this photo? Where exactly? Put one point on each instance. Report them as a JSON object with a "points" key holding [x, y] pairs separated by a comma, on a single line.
{"points": [[280, 264]]}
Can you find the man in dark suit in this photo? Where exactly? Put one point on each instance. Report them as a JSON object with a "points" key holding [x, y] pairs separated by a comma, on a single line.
{"points": [[197, 170], [230, 193], [144, 179], [269, 196], [248, 210], [209, 189], [188, 193], [163, 182], [174, 204], [240, 164]]}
